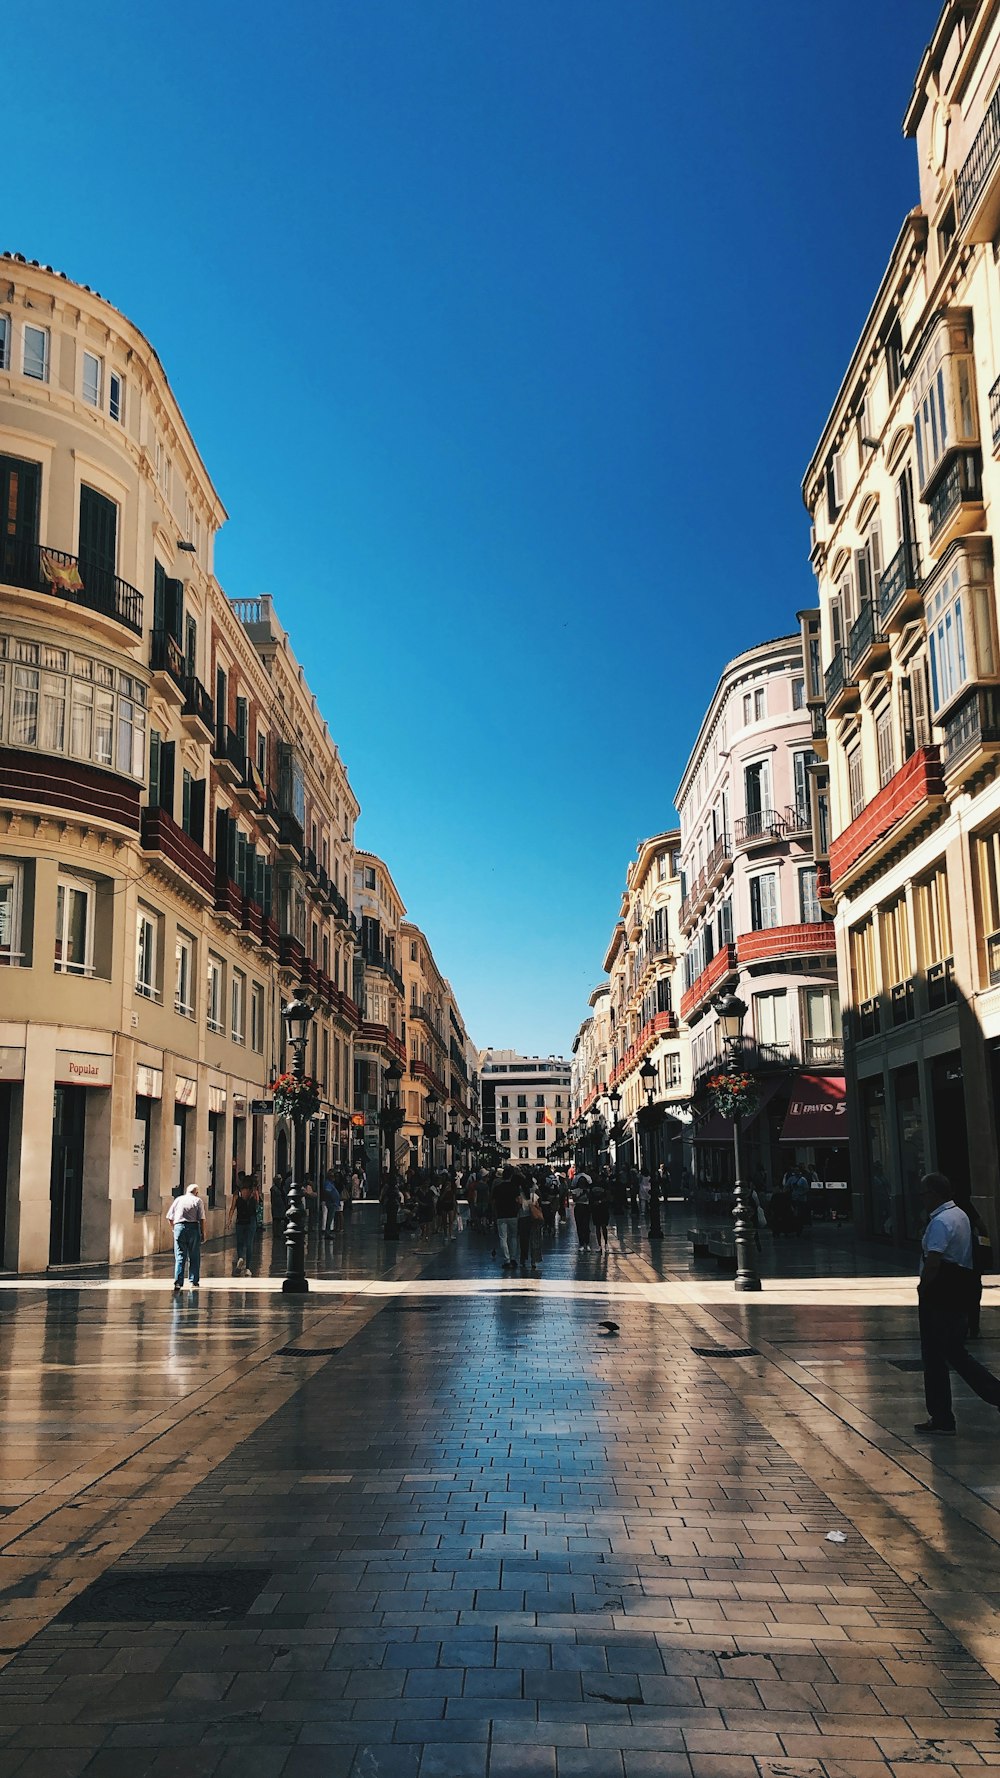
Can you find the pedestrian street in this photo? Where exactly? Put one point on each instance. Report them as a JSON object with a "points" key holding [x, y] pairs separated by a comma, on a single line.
{"points": [[430, 1520]]}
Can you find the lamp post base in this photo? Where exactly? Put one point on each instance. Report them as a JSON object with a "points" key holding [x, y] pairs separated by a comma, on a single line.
{"points": [[295, 1286], [749, 1281]]}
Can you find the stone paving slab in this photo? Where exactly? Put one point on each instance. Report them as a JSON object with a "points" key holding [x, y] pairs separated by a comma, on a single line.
{"points": [[484, 1538]]}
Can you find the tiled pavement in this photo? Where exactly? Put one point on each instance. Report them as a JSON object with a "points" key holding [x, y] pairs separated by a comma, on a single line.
{"points": [[483, 1538]]}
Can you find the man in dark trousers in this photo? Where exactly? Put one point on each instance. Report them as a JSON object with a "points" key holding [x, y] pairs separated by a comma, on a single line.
{"points": [[944, 1295]]}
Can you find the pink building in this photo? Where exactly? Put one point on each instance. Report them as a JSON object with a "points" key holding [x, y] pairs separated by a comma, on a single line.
{"points": [[753, 923]]}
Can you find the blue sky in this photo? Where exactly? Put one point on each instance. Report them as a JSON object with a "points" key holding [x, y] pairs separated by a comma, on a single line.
{"points": [[506, 331]]}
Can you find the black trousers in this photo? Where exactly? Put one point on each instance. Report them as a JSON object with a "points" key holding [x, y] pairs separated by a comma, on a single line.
{"points": [[943, 1332]]}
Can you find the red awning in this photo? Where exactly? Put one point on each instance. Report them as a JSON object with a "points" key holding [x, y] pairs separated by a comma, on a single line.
{"points": [[817, 1110]]}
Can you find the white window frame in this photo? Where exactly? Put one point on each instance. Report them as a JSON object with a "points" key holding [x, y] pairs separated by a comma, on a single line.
{"points": [[766, 876], [237, 1006], [146, 953], [5, 331], [184, 947], [215, 978], [810, 911], [91, 389], [67, 885], [257, 1016], [12, 877], [116, 403], [31, 327]]}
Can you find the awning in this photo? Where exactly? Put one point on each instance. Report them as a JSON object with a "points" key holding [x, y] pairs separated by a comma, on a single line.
{"points": [[817, 1110]]}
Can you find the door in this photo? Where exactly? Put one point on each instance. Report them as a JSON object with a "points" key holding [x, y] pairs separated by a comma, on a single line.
{"points": [[801, 763], [6, 1094], [20, 491], [179, 1174], [98, 548], [66, 1181]]}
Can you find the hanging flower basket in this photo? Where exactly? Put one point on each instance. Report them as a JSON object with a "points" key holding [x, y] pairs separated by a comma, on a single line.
{"points": [[733, 1095], [295, 1098]]}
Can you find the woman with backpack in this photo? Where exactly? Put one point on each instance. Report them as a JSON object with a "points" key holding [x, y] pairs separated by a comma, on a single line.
{"points": [[599, 1212], [581, 1209]]}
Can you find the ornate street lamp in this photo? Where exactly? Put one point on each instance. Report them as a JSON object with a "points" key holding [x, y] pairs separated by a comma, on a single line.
{"points": [[391, 1120], [467, 1142], [649, 1117], [616, 1132], [731, 1012], [432, 1129], [297, 1015]]}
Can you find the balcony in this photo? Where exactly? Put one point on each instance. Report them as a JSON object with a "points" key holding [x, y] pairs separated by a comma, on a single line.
{"points": [[177, 855], [899, 589], [229, 754], [721, 967], [955, 500], [869, 644], [912, 797], [763, 828], [288, 835], [817, 717], [197, 716], [35, 568], [798, 821], [271, 936], [291, 953], [717, 861], [252, 920], [977, 188], [972, 732], [166, 660], [824, 1052], [841, 688], [811, 938], [228, 902]]}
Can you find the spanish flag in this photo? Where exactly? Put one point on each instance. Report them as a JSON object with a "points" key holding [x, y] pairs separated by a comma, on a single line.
{"points": [[548, 1119]]}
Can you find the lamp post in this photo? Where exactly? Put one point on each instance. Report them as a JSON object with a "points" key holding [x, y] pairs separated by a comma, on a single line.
{"points": [[297, 1014], [391, 1117], [467, 1143], [432, 1129], [731, 1012], [648, 1119]]}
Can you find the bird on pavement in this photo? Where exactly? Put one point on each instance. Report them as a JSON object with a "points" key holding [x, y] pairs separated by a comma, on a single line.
{"points": [[610, 1328]]}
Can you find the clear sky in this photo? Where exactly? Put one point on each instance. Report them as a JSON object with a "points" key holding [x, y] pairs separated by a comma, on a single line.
{"points": [[506, 329]]}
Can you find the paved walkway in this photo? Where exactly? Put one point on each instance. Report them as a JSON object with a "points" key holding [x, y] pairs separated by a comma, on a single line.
{"points": [[429, 1522]]}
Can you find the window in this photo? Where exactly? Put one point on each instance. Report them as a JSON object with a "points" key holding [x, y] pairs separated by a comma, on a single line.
{"points": [[800, 777], [62, 702], [184, 976], [539, 1098], [747, 709], [504, 1100], [834, 485], [770, 1019], [539, 1117], [943, 401], [261, 754], [116, 397], [810, 912], [74, 954], [798, 694], [257, 1026], [413, 950], [894, 358], [856, 780], [757, 793], [864, 981], [933, 919], [895, 924], [91, 380], [764, 901], [145, 955], [369, 877], [213, 1003], [522, 1100], [4, 342], [505, 1117], [913, 709], [884, 743], [237, 1002], [986, 881], [35, 359], [759, 704], [522, 1154], [960, 628], [11, 901]]}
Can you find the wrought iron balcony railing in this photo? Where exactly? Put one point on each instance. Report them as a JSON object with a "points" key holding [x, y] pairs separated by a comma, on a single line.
{"points": [[39, 569]]}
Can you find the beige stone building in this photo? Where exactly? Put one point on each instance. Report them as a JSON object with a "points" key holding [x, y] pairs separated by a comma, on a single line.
{"points": [[752, 920], [525, 1102], [440, 1085], [590, 1068], [176, 824], [381, 997], [904, 663]]}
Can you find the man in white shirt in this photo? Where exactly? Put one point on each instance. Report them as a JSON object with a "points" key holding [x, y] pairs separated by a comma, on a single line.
{"points": [[186, 1217], [944, 1295]]}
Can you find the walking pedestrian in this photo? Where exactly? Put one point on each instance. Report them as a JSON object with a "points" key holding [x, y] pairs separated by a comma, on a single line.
{"points": [[581, 1209], [599, 1207], [506, 1202], [529, 1229], [944, 1294], [186, 1217], [330, 1205], [243, 1213]]}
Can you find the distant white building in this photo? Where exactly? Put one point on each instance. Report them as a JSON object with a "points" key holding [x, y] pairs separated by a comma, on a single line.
{"points": [[525, 1101]]}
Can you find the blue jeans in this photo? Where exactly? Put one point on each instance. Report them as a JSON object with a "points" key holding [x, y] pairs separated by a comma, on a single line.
{"points": [[246, 1241], [187, 1245]]}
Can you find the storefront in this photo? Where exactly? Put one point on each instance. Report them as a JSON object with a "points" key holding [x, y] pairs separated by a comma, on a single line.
{"points": [[814, 1137]]}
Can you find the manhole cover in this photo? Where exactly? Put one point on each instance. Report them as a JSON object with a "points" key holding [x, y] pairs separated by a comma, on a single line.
{"points": [[151, 1595], [906, 1364], [725, 1351], [306, 1351]]}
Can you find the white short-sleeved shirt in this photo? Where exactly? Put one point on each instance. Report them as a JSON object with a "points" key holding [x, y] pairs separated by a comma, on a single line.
{"points": [[949, 1233]]}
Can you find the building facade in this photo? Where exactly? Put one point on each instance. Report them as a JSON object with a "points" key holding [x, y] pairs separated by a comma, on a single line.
{"points": [[905, 683], [752, 921], [525, 1102], [440, 1086], [643, 963], [381, 998], [176, 823]]}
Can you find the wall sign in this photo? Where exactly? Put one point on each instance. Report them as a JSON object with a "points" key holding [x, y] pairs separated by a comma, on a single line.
{"points": [[78, 1068]]}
